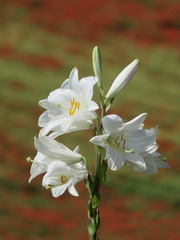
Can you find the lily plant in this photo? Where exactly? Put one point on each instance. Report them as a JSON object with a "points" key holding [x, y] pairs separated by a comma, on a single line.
{"points": [[70, 108]]}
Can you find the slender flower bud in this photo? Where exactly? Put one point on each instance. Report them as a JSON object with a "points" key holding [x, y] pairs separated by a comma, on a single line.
{"points": [[97, 65], [122, 79]]}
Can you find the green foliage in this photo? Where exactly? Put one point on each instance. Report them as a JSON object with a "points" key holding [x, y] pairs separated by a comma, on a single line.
{"points": [[102, 172], [91, 226], [96, 199]]}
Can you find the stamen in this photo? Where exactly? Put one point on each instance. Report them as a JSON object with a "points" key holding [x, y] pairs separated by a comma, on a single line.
{"points": [[73, 111], [116, 139], [64, 179], [124, 144], [74, 106], [58, 105], [122, 137], [117, 145]]}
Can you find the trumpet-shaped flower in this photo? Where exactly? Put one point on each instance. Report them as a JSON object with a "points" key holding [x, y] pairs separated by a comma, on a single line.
{"points": [[122, 79], [125, 141], [61, 176], [49, 151], [152, 159], [70, 107]]}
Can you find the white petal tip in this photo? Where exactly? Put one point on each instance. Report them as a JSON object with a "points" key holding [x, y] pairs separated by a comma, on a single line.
{"points": [[30, 179], [136, 61], [73, 70]]}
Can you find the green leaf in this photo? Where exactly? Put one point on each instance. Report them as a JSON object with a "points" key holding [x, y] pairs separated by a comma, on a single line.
{"points": [[90, 210], [96, 200], [102, 172], [91, 226], [98, 222], [90, 185]]}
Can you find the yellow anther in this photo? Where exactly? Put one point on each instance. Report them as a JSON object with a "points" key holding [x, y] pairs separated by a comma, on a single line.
{"points": [[122, 137], [58, 105], [73, 111], [116, 139], [124, 144], [64, 179], [74, 106]]}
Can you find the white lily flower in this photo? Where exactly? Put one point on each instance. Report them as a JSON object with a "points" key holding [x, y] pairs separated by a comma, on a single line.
{"points": [[70, 107], [152, 159], [49, 151], [125, 141], [122, 79], [61, 176]]}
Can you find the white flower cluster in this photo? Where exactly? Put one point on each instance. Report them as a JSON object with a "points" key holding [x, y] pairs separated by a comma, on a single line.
{"points": [[70, 108]]}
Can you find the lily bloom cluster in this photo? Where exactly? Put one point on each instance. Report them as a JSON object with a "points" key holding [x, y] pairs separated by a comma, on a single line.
{"points": [[70, 108]]}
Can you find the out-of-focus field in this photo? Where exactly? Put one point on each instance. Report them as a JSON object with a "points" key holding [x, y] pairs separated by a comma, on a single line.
{"points": [[40, 43]]}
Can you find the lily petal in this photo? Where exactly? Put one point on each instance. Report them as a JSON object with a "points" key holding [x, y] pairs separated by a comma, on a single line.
{"points": [[136, 159], [59, 190], [72, 191], [56, 150], [59, 123], [112, 123], [44, 118], [100, 140], [86, 86], [36, 170], [135, 123], [115, 160]]}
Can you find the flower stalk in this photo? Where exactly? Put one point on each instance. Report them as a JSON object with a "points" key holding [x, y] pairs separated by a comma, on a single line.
{"points": [[93, 183]]}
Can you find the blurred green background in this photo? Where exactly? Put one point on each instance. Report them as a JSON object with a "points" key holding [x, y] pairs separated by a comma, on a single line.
{"points": [[40, 43]]}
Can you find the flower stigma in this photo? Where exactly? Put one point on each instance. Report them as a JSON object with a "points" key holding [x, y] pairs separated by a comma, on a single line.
{"points": [[29, 159]]}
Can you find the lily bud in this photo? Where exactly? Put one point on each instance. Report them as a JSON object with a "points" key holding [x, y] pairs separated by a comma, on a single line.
{"points": [[97, 65], [122, 79]]}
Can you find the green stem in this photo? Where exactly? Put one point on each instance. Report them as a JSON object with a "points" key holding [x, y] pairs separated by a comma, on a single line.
{"points": [[92, 237], [85, 162], [98, 161]]}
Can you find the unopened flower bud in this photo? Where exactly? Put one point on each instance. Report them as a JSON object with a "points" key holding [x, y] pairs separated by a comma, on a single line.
{"points": [[97, 65], [122, 79]]}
